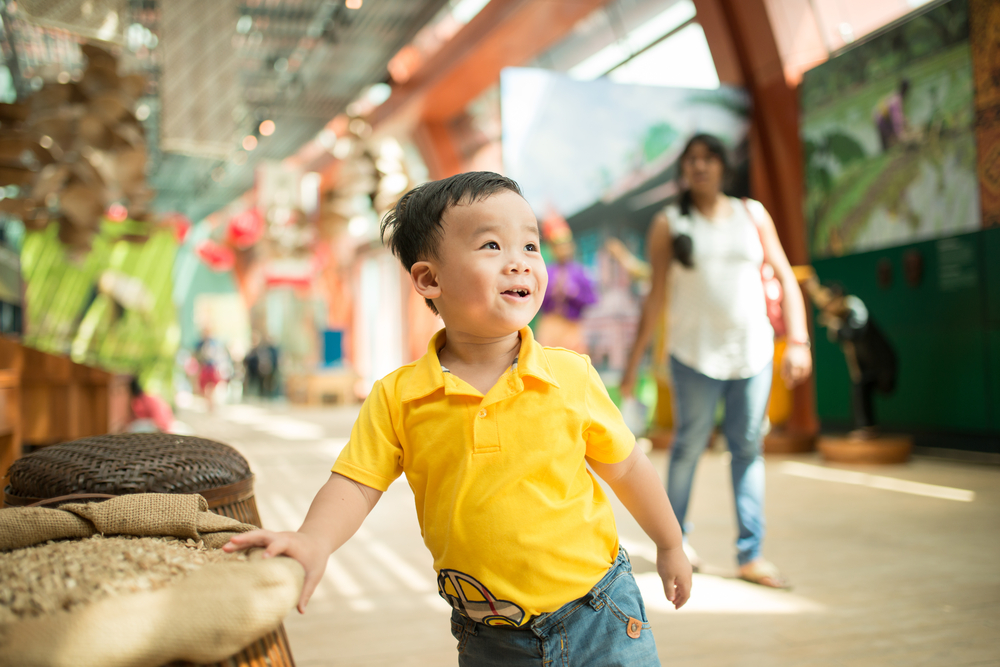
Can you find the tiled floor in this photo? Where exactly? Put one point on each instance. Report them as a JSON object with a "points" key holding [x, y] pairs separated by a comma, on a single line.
{"points": [[893, 565]]}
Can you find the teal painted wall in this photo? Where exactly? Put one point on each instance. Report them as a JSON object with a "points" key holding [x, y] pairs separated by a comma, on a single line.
{"points": [[946, 332]]}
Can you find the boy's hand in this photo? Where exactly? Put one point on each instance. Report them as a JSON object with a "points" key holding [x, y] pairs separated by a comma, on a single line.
{"points": [[307, 550], [675, 572]]}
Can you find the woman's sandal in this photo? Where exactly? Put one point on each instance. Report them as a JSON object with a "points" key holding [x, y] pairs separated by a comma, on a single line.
{"points": [[763, 573]]}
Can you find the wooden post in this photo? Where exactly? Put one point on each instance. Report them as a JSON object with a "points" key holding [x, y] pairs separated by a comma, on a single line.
{"points": [[11, 364], [741, 30]]}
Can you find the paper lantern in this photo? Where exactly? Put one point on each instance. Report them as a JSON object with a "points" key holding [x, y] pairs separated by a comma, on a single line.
{"points": [[216, 256], [246, 228], [180, 223]]}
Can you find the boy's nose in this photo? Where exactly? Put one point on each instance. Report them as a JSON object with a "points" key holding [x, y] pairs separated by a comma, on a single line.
{"points": [[518, 266]]}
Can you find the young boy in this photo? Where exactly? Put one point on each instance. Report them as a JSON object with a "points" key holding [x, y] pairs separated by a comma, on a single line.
{"points": [[494, 434]]}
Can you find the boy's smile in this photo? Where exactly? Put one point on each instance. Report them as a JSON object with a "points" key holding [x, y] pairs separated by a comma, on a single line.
{"points": [[488, 277]]}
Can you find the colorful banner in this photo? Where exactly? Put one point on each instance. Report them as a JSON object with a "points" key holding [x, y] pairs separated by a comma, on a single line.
{"points": [[888, 136]]}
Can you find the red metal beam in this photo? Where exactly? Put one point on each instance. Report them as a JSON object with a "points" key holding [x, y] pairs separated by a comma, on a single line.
{"points": [[506, 33]]}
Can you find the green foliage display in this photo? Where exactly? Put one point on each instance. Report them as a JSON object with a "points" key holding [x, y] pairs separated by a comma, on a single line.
{"points": [[66, 313]]}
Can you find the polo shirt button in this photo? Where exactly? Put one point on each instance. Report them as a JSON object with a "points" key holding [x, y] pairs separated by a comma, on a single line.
{"points": [[482, 413]]}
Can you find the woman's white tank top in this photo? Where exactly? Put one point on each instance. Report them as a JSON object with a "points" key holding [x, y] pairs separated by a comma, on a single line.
{"points": [[718, 316]]}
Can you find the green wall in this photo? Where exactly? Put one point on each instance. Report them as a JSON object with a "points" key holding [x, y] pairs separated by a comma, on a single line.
{"points": [[946, 332]]}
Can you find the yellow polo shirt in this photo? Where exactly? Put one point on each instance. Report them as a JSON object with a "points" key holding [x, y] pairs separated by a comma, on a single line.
{"points": [[515, 520]]}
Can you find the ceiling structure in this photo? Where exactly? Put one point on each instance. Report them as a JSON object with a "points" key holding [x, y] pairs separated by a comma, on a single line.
{"points": [[218, 69]]}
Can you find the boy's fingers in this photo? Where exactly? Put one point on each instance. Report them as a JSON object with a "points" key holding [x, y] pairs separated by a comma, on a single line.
{"points": [[275, 547], [682, 594], [255, 538], [308, 588]]}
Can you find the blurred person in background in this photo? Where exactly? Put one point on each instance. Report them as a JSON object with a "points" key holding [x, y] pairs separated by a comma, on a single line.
{"points": [[569, 291], [150, 413], [890, 118], [721, 341], [261, 364], [871, 360], [213, 362]]}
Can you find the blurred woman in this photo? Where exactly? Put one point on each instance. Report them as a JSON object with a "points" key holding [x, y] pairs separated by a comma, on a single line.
{"points": [[721, 342]]}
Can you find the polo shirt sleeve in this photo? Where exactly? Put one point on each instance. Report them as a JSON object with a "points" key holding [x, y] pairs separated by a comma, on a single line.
{"points": [[608, 438], [374, 456]]}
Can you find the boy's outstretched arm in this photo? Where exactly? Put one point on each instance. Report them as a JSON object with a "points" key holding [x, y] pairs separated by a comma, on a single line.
{"points": [[638, 487], [336, 513]]}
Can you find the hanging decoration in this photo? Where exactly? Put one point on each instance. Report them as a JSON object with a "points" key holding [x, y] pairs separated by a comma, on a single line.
{"points": [[245, 228], [73, 150], [217, 256], [180, 223]]}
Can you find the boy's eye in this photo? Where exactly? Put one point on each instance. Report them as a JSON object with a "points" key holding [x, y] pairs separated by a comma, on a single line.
{"points": [[492, 245], [531, 247]]}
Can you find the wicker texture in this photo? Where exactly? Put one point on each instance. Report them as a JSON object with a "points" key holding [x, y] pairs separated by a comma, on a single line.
{"points": [[152, 463], [128, 463]]}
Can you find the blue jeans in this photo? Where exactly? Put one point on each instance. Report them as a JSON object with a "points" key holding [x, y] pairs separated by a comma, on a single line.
{"points": [[695, 398], [592, 631]]}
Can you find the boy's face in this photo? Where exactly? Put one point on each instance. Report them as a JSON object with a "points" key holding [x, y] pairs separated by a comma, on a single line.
{"points": [[488, 278]]}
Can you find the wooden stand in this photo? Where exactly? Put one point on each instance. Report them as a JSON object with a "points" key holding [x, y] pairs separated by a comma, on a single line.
{"points": [[322, 387], [11, 363], [661, 439], [63, 400], [784, 441], [882, 449], [46, 399]]}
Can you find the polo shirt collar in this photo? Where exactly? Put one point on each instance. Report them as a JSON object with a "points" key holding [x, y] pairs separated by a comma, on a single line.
{"points": [[428, 377], [531, 360]]}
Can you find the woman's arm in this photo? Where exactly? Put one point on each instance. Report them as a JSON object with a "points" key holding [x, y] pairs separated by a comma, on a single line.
{"points": [[661, 256], [797, 363]]}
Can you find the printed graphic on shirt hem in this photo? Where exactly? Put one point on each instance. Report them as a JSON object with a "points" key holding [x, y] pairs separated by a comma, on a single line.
{"points": [[475, 601]]}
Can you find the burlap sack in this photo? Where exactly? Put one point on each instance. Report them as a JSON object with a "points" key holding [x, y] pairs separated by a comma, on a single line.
{"points": [[206, 617], [142, 514]]}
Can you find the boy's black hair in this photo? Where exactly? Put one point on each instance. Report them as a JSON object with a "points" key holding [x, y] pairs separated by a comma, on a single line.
{"points": [[135, 389], [714, 146], [413, 226]]}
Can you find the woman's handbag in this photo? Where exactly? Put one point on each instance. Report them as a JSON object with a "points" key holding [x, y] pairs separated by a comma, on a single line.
{"points": [[773, 292]]}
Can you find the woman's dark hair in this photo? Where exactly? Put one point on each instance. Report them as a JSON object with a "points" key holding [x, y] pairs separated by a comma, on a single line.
{"points": [[714, 146], [412, 229], [135, 388]]}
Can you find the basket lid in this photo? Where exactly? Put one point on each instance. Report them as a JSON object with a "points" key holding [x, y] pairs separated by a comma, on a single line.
{"points": [[127, 463]]}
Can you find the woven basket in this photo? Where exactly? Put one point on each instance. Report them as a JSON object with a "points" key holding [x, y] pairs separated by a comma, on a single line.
{"points": [[125, 463], [137, 463]]}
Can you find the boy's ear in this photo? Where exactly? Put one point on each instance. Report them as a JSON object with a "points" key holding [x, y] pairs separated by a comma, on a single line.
{"points": [[424, 280]]}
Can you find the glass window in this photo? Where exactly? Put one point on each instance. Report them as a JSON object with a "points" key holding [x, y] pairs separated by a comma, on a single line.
{"points": [[683, 60]]}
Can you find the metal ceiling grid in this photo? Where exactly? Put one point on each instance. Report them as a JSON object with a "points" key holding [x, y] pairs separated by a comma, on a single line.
{"points": [[301, 62], [297, 62]]}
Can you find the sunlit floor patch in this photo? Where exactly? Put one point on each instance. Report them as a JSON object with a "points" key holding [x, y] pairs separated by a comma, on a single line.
{"points": [[876, 481], [286, 428], [244, 414], [718, 595], [333, 446]]}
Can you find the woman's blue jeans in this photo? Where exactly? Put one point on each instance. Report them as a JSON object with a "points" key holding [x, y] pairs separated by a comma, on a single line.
{"points": [[607, 627], [695, 399]]}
